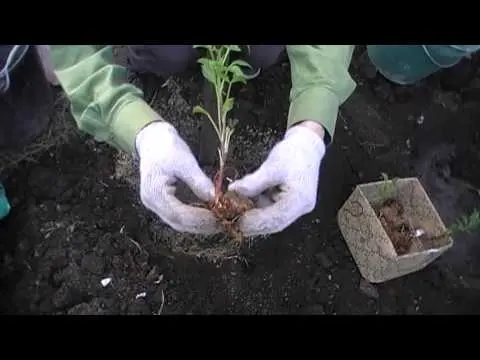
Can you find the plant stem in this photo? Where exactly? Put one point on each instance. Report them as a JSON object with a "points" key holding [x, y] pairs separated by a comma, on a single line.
{"points": [[219, 73], [222, 124], [218, 180]]}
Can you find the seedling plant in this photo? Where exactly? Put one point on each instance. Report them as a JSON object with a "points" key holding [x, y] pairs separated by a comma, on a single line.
{"points": [[391, 214], [400, 229], [222, 74], [466, 224]]}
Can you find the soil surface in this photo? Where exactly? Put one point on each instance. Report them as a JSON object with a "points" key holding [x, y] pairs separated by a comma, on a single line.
{"points": [[78, 240]]}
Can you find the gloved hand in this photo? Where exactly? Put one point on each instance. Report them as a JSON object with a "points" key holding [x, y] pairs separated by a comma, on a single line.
{"points": [[293, 167], [165, 159]]}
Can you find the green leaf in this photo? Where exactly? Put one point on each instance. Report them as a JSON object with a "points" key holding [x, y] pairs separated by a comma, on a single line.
{"points": [[217, 69], [209, 74], [467, 223], [250, 77], [236, 71], [227, 106], [208, 70], [200, 110], [241, 63], [224, 76], [233, 123], [234, 48], [237, 79]]}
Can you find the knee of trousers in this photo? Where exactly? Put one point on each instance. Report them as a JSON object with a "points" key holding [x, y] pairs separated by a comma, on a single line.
{"points": [[264, 56], [162, 60]]}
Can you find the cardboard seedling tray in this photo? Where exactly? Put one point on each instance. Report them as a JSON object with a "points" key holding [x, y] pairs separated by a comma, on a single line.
{"points": [[369, 243]]}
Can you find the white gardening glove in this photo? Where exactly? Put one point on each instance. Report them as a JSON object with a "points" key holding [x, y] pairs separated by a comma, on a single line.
{"points": [[165, 159], [293, 166]]}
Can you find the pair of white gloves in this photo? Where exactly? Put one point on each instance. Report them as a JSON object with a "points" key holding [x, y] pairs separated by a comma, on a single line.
{"points": [[292, 167]]}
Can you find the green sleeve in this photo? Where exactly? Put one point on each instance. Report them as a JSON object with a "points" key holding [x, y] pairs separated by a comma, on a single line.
{"points": [[320, 83], [103, 103]]}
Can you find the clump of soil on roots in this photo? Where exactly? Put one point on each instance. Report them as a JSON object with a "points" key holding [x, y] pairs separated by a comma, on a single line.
{"points": [[392, 216], [228, 207], [405, 236]]}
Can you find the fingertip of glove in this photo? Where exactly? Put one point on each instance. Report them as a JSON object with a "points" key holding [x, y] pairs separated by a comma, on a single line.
{"points": [[237, 187], [211, 194], [232, 186]]}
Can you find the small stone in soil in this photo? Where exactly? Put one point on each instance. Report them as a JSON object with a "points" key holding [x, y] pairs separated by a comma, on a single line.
{"points": [[105, 281], [140, 295]]}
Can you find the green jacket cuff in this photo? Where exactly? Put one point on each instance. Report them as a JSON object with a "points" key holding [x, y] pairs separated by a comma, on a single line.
{"points": [[132, 117], [315, 104]]}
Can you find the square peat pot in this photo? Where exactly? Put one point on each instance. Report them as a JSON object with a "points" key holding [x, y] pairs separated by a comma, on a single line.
{"points": [[370, 245]]}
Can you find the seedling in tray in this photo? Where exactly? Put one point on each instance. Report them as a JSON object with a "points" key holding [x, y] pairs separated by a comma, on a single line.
{"points": [[400, 229], [222, 73], [392, 216], [392, 228]]}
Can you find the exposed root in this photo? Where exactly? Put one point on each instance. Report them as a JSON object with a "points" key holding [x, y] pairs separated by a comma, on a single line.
{"points": [[392, 217], [228, 208]]}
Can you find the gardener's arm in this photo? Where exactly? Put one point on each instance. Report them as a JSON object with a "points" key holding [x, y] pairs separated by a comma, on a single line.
{"points": [[106, 106], [103, 103], [320, 84]]}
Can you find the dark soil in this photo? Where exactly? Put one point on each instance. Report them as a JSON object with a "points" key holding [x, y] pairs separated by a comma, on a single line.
{"points": [[392, 217], [77, 218]]}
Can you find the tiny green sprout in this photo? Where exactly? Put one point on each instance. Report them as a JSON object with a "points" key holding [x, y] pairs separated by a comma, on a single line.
{"points": [[388, 186], [466, 224], [222, 74]]}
